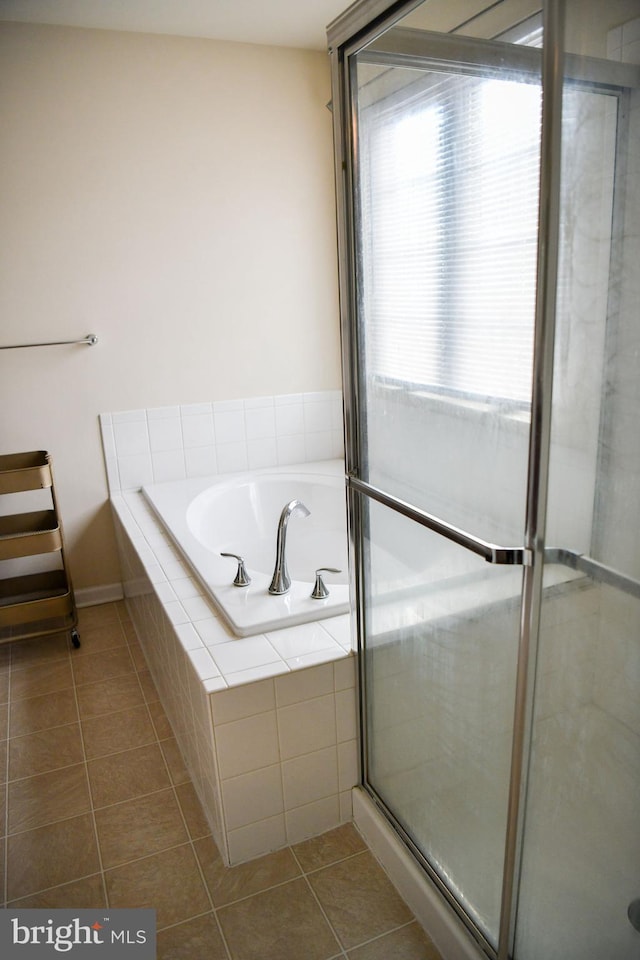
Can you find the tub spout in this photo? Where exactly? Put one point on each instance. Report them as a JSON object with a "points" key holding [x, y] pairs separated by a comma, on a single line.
{"points": [[281, 581]]}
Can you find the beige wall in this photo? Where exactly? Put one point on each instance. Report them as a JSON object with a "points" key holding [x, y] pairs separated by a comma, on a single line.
{"points": [[175, 197]]}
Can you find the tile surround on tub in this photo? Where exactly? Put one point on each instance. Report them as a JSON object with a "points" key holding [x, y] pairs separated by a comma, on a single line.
{"points": [[219, 658], [224, 436], [266, 724]]}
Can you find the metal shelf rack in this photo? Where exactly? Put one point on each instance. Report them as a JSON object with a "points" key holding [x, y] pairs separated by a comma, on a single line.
{"points": [[33, 604]]}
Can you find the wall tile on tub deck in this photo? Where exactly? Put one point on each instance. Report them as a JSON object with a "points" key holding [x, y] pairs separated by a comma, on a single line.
{"points": [[256, 839], [324, 445], [165, 433], [260, 421], [200, 461], [229, 422], [312, 819], [347, 764], [291, 450], [318, 413], [135, 471], [304, 685], [311, 777], [246, 745], [232, 457], [168, 465], [307, 726], [243, 702], [197, 429], [262, 454], [346, 715], [344, 672], [252, 796], [289, 419]]}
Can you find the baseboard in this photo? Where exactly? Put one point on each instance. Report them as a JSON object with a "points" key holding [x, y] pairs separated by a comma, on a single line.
{"points": [[106, 593]]}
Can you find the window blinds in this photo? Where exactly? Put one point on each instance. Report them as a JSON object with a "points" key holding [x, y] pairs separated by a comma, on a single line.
{"points": [[449, 211]]}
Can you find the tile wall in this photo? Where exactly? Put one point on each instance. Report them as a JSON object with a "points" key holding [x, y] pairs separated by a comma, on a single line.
{"points": [[198, 439], [266, 724], [274, 757]]}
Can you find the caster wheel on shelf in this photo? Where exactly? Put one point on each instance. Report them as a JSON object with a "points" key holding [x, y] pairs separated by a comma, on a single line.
{"points": [[75, 638]]}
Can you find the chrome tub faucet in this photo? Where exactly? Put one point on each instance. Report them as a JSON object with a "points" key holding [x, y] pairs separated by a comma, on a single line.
{"points": [[281, 581]]}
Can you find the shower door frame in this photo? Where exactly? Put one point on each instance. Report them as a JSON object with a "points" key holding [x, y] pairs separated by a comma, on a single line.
{"points": [[362, 24]]}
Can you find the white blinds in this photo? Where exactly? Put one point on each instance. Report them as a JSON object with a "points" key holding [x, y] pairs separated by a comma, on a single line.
{"points": [[449, 208]]}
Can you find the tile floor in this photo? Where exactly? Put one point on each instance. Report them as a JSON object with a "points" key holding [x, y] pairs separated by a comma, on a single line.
{"points": [[97, 809]]}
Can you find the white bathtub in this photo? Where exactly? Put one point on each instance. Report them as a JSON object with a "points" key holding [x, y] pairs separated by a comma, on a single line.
{"points": [[239, 514]]}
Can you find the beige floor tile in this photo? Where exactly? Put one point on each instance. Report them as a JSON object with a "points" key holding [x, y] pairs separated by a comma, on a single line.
{"points": [[40, 678], [160, 720], [4, 686], [121, 609], [149, 688], [328, 848], [192, 811], [105, 636], [77, 895], [173, 758], [123, 776], [92, 667], [5, 657], [168, 882], [139, 828], [137, 656], [4, 721], [143, 798], [359, 899], [3, 760], [55, 647], [197, 939], [98, 615], [3, 813], [51, 855], [109, 696], [407, 943], [120, 731], [36, 801], [228, 884], [284, 923], [38, 713], [44, 751]]}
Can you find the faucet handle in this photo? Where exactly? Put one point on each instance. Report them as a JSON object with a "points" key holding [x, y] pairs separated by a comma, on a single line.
{"points": [[320, 591], [242, 578]]}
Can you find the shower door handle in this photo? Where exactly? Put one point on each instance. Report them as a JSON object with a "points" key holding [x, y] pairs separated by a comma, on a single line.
{"points": [[491, 552]]}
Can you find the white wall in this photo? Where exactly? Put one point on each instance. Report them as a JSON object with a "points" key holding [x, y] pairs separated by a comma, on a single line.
{"points": [[175, 197]]}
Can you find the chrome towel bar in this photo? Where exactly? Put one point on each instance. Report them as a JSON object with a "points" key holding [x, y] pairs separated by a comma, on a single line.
{"points": [[90, 340]]}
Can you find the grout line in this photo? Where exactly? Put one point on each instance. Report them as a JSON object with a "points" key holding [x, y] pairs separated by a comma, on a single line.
{"points": [[326, 917], [173, 786], [36, 893], [341, 952], [105, 892]]}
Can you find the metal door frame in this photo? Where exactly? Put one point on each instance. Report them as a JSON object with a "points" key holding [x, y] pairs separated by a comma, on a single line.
{"points": [[361, 24]]}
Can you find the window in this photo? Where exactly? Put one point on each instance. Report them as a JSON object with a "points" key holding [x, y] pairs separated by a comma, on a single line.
{"points": [[449, 212]]}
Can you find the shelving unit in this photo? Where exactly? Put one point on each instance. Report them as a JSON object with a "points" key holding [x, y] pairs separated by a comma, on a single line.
{"points": [[33, 604]]}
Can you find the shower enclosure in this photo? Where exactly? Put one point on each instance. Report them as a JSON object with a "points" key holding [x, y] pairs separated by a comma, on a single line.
{"points": [[488, 174]]}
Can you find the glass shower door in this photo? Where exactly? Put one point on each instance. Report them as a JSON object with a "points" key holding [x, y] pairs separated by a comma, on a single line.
{"points": [[447, 147], [580, 884]]}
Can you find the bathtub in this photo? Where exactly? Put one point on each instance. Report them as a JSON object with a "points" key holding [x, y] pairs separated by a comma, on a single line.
{"points": [[239, 514]]}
